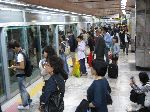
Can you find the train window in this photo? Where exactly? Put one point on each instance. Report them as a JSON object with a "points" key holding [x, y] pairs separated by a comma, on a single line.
{"points": [[2, 88], [13, 34]]}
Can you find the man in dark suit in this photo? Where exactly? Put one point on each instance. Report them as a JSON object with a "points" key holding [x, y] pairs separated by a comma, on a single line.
{"points": [[99, 45]]}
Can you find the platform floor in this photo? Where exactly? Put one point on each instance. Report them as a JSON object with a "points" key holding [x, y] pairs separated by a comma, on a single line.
{"points": [[76, 89]]}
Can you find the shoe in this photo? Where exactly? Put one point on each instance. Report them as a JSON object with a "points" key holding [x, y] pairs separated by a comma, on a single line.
{"points": [[84, 74], [21, 107], [30, 101]]}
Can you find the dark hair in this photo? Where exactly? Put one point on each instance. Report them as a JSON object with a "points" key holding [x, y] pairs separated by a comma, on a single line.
{"points": [[100, 66], [80, 37], [143, 76], [10, 45], [57, 64], [116, 38], [63, 37], [50, 50], [15, 44], [105, 29]]}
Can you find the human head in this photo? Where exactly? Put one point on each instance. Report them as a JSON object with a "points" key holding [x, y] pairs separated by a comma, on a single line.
{"points": [[54, 65], [143, 76], [48, 51], [15, 46], [115, 39], [99, 67], [79, 38], [62, 38], [105, 29], [98, 32]]}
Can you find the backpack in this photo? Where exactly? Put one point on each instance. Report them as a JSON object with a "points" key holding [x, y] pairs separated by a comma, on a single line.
{"points": [[28, 66]]}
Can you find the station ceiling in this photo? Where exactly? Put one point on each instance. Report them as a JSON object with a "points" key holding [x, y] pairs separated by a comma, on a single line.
{"points": [[90, 7]]}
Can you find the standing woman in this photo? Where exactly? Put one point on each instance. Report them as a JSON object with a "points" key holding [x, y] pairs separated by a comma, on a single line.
{"points": [[54, 87], [81, 54], [115, 50], [48, 51], [98, 91]]}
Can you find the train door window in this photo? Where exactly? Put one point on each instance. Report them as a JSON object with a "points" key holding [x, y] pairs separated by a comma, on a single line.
{"points": [[44, 36], [2, 88], [50, 34], [13, 34], [34, 49]]}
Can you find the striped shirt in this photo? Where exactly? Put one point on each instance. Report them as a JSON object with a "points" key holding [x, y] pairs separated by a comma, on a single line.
{"points": [[143, 89]]}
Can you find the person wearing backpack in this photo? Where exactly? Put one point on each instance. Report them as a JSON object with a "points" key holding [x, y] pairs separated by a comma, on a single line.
{"points": [[63, 56], [19, 67]]}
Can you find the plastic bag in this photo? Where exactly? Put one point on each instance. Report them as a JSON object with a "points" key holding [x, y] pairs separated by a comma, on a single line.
{"points": [[76, 69]]}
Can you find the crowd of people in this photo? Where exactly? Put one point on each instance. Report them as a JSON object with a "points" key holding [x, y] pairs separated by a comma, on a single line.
{"points": [[104, 45]]}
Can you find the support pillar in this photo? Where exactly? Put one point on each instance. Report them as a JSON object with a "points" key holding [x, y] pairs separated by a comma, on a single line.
{"points": [[142, 55]]}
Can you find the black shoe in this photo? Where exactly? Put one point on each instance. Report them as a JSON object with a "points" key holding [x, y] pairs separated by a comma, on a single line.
{"points": [[30, 101]]}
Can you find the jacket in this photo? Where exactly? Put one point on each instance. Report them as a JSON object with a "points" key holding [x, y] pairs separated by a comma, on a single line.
{"points": [[100, 47]]}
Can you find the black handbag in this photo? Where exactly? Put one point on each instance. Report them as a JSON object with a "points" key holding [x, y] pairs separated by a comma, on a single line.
{"points": [[55, 102], [83, 106], [137, 98], [109, 99]]}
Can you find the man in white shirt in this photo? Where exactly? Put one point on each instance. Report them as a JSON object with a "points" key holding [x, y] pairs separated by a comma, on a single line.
{"points": [[20, 74], [126, 42]]}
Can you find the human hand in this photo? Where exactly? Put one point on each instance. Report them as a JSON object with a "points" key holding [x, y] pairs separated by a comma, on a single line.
{"points": [[12, 67]]}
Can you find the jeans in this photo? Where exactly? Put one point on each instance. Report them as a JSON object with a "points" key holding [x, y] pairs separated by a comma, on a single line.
{"points": [[25, 97], [106, 55], [63, 57], [82, 66], [126, 47]]}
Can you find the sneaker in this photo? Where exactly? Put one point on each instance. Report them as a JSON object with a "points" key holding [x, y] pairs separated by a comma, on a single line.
{"points": [[21, 107]]}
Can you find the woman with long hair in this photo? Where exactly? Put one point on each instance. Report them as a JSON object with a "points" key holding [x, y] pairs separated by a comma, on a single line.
{"points": [[51, 99]]}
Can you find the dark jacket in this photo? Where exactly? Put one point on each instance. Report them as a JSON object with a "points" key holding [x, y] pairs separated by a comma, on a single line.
{"points": [[100, 47], [72, 43], [50, 87], [97, 94], [122, 37], [91, 43]]}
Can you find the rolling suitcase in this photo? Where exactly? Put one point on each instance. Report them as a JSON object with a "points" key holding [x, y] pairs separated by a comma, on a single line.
{"points": [[113, 70]]}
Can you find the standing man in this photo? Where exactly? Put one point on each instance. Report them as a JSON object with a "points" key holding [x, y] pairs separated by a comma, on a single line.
{"points": [[99, 45], [127, 40], [108, 42], [122, 39], [73, 45], [20, 74]]}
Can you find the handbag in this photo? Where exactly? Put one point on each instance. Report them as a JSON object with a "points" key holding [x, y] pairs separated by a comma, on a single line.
{"points": [[87, 50], [109, 99], [83, 106], [55, 103]]}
